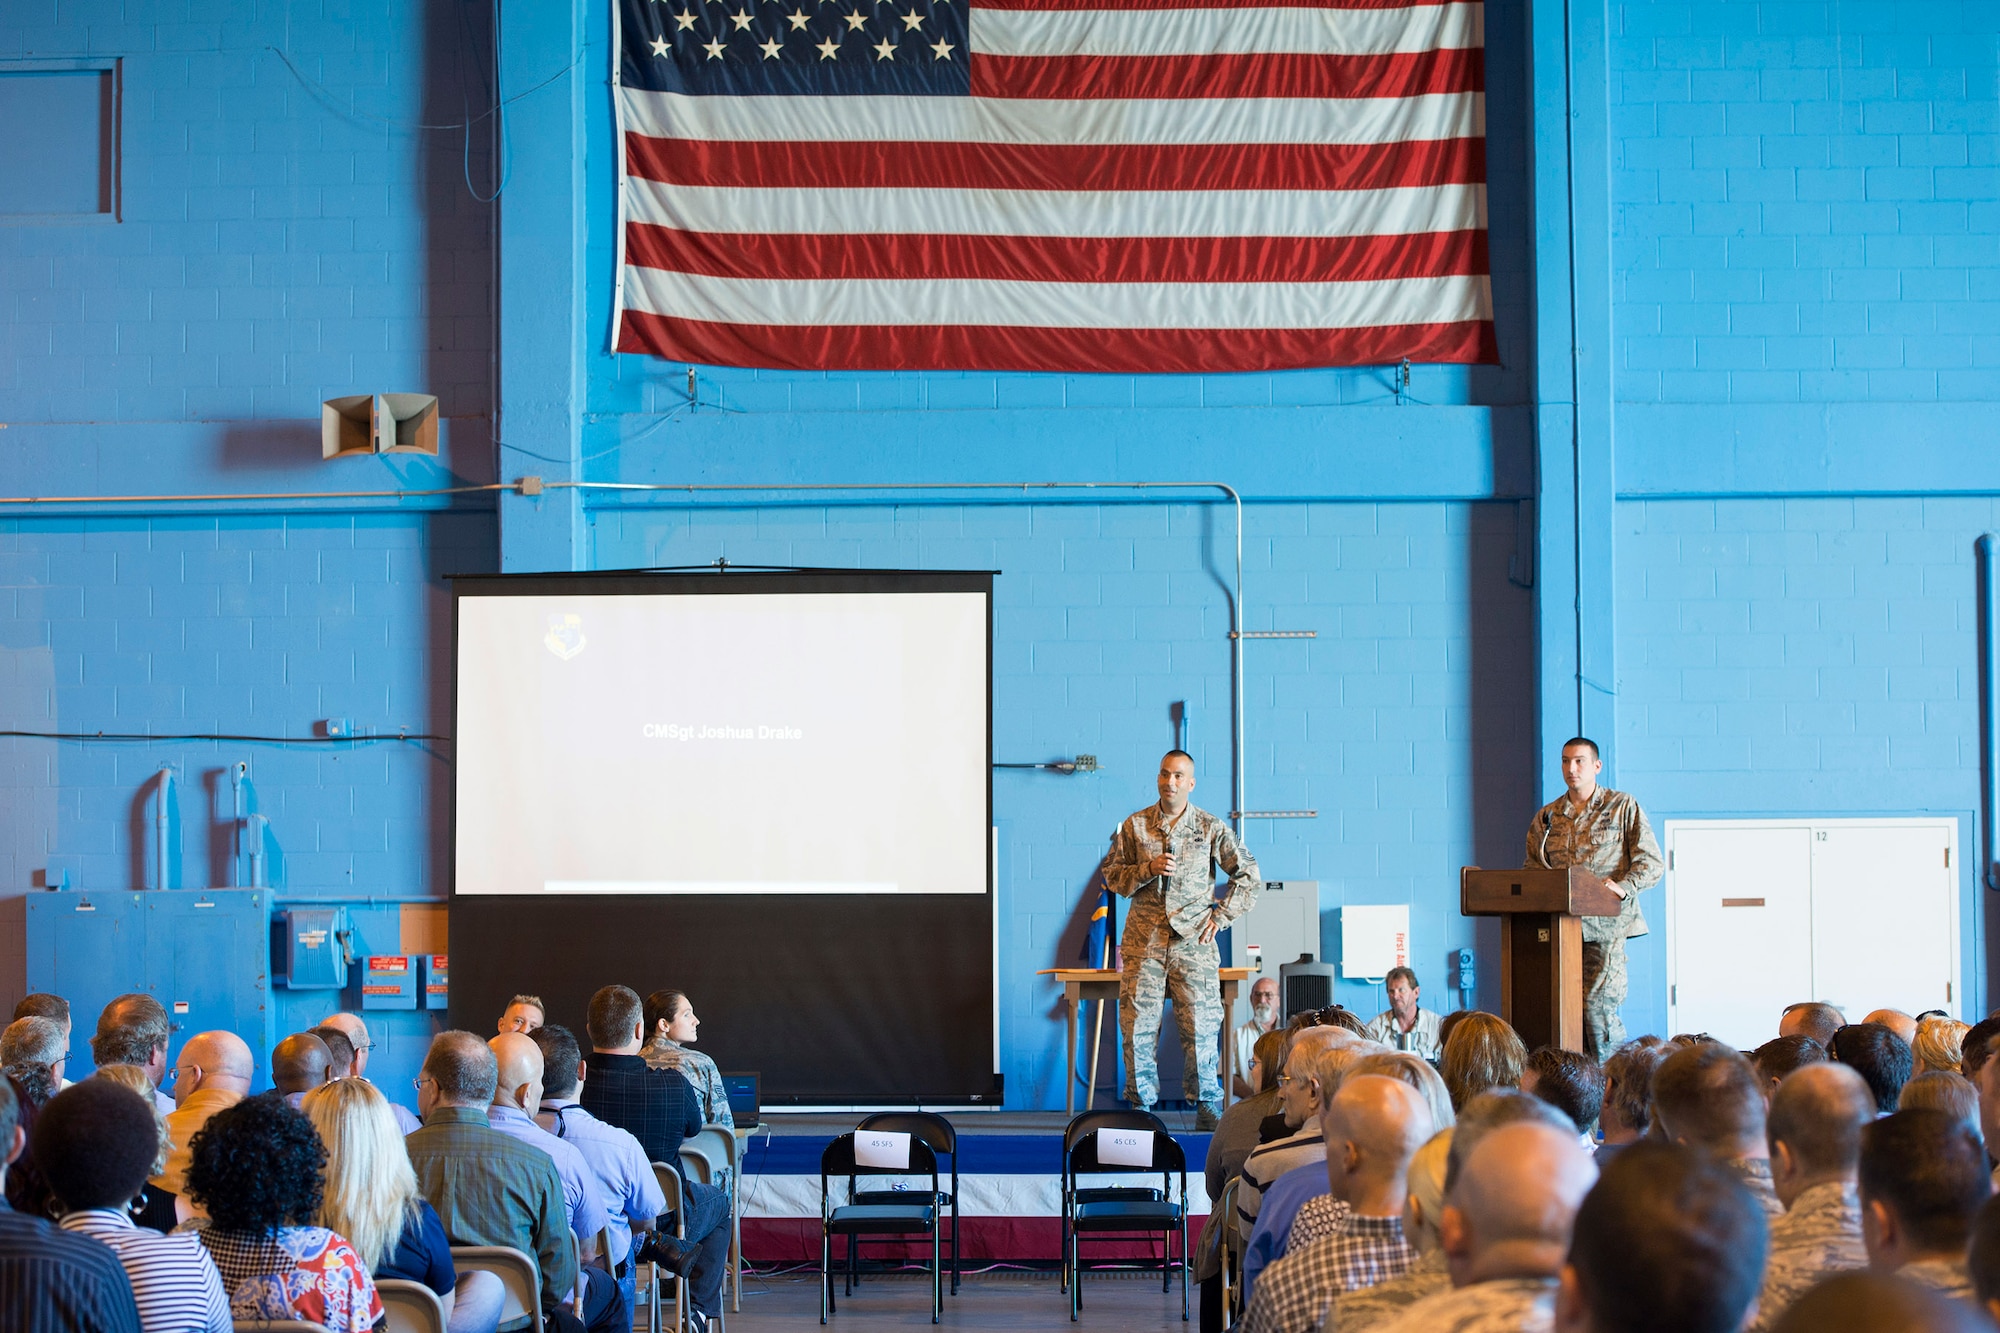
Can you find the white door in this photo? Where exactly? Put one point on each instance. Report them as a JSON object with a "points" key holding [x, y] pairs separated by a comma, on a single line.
{"points": [[1884, 917], [1740, 900]]}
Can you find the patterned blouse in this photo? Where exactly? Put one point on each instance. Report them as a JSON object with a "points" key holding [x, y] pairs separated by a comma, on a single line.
{"points": [[304, 1273], [699, 1071]]}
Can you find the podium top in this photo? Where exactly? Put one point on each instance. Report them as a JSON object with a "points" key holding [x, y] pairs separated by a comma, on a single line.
{"points": [[1573, 891]]}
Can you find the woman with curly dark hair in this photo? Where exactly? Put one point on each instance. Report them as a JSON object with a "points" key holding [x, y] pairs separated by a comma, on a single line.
{"points": [[258, 1169]]}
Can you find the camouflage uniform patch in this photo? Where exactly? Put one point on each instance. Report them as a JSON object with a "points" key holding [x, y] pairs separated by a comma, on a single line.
{"points": [[1507, 1305], [1818, 1237], [1609, 837], [1162, 955], [1372, 1307]]}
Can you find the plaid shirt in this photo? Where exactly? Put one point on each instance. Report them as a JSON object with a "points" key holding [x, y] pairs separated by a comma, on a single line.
{"points": [[1293, 1294], [655, 1106]]}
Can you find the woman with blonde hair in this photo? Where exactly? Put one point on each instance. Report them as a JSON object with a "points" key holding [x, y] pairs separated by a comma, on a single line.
{"points": [[1482, 1052], [371, 1198], [1939, 1045]]}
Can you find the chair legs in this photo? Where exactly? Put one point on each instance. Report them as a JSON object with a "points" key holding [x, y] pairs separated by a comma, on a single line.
{"points": [[825, 1274], [937, 1278]]}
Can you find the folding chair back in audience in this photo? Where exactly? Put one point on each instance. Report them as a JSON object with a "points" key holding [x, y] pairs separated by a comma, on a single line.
{"points": [[1083, 1127], [409, 1307], [670, 1187], [942, 1137], [1224, 1212], [727, 1148], [521, 1308]]}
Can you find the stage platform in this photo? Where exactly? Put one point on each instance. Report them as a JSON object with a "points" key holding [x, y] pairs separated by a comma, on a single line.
{"points": [[1010, 1183]]}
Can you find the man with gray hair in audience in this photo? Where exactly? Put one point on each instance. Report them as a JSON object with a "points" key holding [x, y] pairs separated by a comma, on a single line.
{"points": [[1506, 1231], [133, 1030], [1318, 1058], [1815, 1137], [36, 1041], [1709, 1097], [41, 1004], [1811, 1018]]}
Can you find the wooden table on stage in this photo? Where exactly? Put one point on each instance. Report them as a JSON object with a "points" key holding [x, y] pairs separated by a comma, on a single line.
{"points": [[1101, 983]]}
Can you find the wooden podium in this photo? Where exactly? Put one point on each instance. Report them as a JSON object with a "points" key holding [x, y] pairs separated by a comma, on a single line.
{"points": [[1541, 944]]}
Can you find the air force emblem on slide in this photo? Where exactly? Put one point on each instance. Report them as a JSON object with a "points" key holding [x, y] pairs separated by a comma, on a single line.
{"points": [[565, 636]]}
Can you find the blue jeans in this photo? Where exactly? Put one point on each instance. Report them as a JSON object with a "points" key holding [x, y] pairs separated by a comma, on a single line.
{"points": [[707, 1226]]}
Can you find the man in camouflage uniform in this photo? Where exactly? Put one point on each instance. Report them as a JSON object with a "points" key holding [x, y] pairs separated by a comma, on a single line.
{"points": [[1815, 1134], [1606, 833], [1164, 859]]}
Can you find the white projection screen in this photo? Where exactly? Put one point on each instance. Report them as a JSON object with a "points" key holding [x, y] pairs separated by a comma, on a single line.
{"points": [[768, 790]]}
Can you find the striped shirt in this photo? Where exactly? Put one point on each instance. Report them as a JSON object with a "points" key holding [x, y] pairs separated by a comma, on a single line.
{"points": [[53, 1282], [173, 1279], [1265, 1165]]}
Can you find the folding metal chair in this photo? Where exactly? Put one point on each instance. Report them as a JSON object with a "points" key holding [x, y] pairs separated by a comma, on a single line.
{"points": [[1162, 1216], [942, 1137], [410, 1307], [1082, 1127], [522, 1307], [916, 1216]]}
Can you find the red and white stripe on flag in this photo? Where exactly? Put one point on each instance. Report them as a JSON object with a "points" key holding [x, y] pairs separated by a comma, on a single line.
{"points": [[1120, 186]]}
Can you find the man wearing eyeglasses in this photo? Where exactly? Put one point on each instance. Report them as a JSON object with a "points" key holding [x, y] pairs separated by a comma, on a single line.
{"points": [[356, 1032], [213, 1073], [1164, 859]]}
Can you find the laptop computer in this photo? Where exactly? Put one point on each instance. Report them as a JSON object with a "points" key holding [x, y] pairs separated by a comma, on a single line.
{"points": [[743, 1098]]}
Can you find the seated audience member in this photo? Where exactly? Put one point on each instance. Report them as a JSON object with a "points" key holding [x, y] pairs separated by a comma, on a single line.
{"points": [[1668, 1238], [1875, 1303], [1923, 1179], [339, 1051], [299, 1064], [487, 1188], [625, 1180], [154, 1207], [96, 1143], [133, 1030], [1898, 1022], [32, 1081], [1982, 1257], [1878, 1055], [1236, 1137], [1506, 1231], [1708, 1097], [371, 1198], [1374, 1126], [1627, 1110], [1447, 1025], [1570, 1081], [1405, 1025], [256, 1170], [1780, 1056], [523, 1014], [1813, 1019], [357, 1034], [1943, 1090], [1481, 1053], [1243, 1041], [1939, 1046], [50, 1280], [1312, 1075], [1976, 1045], [671, 1027], [41, 1004], [659, 1108], [1425, 1081], [212, 1074], [1366, 1308], [1814, 1133], [26, 1191], [517, 1097], [36, 1041], [1340, 1016]]}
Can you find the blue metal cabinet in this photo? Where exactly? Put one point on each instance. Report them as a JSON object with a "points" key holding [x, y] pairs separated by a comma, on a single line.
{"points": [[87, 948]]}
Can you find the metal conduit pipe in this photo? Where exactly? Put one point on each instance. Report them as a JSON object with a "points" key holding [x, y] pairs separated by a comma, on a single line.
{"points": [[1237, 805], [162, 842], [1989, 708]]}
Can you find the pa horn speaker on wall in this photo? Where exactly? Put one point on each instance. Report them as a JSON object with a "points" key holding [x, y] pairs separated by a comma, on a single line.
{"points": [[382, 423]]}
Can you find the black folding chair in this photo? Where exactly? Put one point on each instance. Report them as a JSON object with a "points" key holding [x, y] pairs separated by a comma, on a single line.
{"points": [[1162, 1215], [936, 1131], [1081, 1128], [917, 1215]]}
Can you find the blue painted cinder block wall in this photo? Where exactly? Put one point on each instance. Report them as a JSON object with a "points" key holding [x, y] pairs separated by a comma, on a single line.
{"points": [[1803, 273]]}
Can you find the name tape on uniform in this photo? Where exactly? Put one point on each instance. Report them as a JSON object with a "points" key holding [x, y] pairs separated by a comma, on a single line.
{"points": [[882, 1148], [1125, 1147]]}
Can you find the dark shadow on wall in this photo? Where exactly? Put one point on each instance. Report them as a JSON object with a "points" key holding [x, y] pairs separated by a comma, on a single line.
{"points": [[1502, 624], [269, 446], [459, 298]]}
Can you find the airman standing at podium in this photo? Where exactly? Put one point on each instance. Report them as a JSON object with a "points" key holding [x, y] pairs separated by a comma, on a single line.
{"points": [[1164, 859], [1606, 833]]}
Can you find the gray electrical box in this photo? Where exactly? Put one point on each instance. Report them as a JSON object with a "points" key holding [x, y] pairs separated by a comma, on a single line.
{"points": [[1283, 925]]}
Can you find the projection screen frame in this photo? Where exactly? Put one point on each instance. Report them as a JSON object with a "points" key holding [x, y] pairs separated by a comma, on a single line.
{"points": [[482, 920]]}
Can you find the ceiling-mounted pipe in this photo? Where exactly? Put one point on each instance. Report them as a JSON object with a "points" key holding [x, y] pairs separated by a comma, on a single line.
{"points": [[1989, 709]]}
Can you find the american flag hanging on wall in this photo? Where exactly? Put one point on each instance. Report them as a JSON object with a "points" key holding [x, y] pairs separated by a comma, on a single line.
{"points": [[1066, 185]]}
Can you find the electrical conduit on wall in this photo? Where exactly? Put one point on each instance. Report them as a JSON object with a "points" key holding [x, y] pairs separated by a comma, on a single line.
{"points": [[1989, 708]]}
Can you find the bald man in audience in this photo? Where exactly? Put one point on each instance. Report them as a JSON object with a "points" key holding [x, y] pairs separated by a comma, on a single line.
{"points": [[1709, 1097], [213, 1073], [1874, 1303], [1815, 1136], [1922, 1182], [299, 1064], [1667, 1239], [339, 1051], [1812, 1019], [517, 1096], [1506, 1232], [1896, 1021], [356, 1030], [1373, 1127]]}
